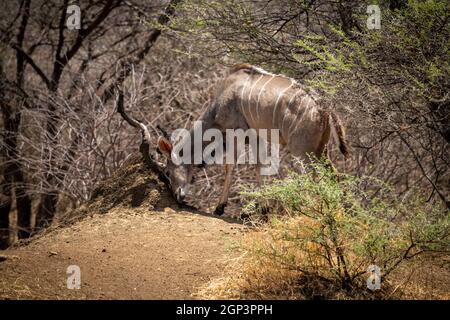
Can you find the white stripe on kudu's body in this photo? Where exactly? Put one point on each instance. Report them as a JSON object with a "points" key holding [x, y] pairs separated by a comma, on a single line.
{"points": [[288, 110], [250, 97], [233, 107], [243, 89], [259, 95], [276, 103], [299, 110]]}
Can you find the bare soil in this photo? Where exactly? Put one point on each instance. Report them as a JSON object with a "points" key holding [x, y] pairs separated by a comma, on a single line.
{"points": [[160, 255], [131, 241]]}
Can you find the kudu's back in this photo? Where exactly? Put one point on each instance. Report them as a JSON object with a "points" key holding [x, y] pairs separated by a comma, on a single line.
{"points": [[250, 97]]}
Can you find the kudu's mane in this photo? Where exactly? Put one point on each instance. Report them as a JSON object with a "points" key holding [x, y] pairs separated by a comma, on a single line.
{"points": [[257, 70]]}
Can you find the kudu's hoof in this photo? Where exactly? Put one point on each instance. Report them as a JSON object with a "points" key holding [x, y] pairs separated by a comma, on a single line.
{"points": [[220, 209]]}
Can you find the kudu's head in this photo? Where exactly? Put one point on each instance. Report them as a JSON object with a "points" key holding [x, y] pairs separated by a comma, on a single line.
{"points": [[179, 175]]}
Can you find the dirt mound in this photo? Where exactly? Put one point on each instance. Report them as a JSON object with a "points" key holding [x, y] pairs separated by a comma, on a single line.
{"points": [[122, 255], [134, 186]]}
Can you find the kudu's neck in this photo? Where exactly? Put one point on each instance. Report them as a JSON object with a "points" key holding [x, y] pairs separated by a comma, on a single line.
{"points": [[194, 137]]}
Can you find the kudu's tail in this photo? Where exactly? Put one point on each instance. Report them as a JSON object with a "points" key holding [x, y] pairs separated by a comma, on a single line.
{"points": [[338, 132]]}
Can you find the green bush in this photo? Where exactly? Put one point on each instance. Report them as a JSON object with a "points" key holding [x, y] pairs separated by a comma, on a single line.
{"points": [[336, 226]]}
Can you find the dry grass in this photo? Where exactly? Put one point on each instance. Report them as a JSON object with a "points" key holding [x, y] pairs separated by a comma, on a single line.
{"points": [[427, 277], [258, 275]]}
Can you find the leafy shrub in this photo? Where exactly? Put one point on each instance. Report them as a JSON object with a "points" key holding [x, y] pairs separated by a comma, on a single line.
{"points": [[333, 227]]}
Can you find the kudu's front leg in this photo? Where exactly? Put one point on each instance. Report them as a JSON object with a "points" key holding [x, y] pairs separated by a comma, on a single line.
{"points": [[225, 191]]}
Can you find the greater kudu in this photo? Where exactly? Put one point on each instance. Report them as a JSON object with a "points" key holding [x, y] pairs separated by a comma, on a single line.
{"points": [[250, 97]]}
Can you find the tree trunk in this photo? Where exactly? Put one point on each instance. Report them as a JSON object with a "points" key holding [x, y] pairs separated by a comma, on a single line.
{"points": [[5, 207], [13, 172], [46, 211], [23, 204], [47, 205]]}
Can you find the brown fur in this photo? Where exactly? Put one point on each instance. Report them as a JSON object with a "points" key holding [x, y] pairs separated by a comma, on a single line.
{"points": [[240, 66], [250, 97]]}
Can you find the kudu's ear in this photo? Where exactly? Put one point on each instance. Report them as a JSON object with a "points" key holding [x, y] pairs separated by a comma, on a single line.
{"points": [[164, 146]]}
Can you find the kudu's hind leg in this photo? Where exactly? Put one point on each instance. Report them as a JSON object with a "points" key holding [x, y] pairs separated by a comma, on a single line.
{"points": [[225, 191]]}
